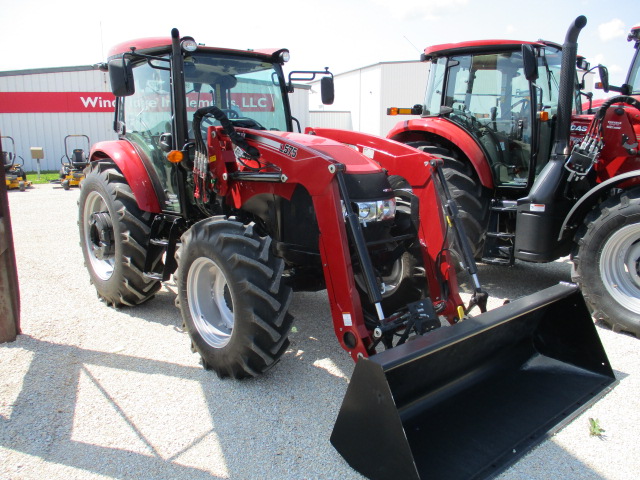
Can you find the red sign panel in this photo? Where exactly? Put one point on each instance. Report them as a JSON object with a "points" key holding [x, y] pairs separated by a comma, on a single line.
{"points": [[245, 102], [74, 102], [49, 102]]}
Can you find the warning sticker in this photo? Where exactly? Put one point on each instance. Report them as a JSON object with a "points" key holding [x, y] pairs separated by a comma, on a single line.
{"points": [[536, 207], [346, 318]]}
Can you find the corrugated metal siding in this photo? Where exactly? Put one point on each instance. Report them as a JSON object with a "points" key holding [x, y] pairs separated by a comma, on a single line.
{"points": [[47, 130], [331, 119], [299, 103], [403, 86], [368, 92]]}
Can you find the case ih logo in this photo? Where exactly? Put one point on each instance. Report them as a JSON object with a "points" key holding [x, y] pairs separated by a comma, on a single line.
{"points": [[49, 102]]}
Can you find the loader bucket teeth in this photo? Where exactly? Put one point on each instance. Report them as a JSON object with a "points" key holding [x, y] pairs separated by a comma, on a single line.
{"points": [[468, 401]]}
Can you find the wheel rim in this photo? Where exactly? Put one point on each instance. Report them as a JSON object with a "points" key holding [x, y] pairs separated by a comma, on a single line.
{"points": [[619, 267], [98, 237], [390, 283], [210, 302]]}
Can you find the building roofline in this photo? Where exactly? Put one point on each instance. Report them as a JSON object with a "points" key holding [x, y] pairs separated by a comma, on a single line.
{"points": [[35, 71], [371, 66]]}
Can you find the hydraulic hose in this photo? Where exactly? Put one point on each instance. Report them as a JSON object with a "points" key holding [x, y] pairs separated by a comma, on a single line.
{"points": [[227, 126]]}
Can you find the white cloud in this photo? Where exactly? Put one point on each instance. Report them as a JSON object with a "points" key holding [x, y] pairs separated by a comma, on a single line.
{"points": [[612, 30], [408, 9]]}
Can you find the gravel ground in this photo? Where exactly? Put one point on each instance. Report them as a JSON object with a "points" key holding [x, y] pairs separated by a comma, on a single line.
{"points": [[90, 392]]}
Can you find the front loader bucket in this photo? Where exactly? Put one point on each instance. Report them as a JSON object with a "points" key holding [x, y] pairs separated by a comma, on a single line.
{"points": [[467, 401]]}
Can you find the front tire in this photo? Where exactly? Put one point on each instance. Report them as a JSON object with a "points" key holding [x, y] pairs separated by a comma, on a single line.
{"points": [[114, 235], [607, 262], [467, 191], [232, 298]]}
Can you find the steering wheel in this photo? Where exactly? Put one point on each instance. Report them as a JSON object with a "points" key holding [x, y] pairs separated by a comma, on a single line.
{"points": [[525, 104]]}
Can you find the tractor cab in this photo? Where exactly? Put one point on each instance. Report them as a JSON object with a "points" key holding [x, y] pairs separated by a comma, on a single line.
{"points": [[161, 83], [508, 108]]}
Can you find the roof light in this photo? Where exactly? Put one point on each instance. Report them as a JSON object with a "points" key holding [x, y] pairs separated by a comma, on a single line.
{"points": [[188, 44], [284, 56]]}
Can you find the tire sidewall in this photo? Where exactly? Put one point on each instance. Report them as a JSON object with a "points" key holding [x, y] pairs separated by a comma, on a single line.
{"points": [[94, 183], [203, 250], [604, 306]]}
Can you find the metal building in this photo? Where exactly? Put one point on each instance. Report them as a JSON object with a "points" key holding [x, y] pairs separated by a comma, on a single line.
{"points": [[362, 96], [40, 107]]}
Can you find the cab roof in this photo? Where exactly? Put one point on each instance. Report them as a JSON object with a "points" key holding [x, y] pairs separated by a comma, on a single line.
{"points": [[158, 45], [476, 46]]}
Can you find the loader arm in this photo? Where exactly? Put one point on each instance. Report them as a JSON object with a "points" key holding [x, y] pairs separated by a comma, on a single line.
{"points": [[414, 166], [314, 161]]}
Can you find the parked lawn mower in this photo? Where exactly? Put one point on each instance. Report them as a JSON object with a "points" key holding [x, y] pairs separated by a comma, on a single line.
{"points": [[72, 169], [15, 176], [209, 183]]}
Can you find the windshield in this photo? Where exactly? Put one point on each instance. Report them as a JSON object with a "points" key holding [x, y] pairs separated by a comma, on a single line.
{"points": [[487, 94], [246, 89]]}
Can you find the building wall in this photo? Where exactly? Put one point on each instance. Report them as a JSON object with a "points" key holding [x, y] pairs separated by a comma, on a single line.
{"points": [[88, 111], [330, 119], [48, 129], [404, 86], [367, 93]]}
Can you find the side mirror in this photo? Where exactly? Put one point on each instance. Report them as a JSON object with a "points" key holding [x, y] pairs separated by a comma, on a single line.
{"points": [[530, 63], [604, 77], [121, 76], [327, 90]]}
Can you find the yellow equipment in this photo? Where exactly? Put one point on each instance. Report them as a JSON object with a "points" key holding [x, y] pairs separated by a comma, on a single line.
{"points": [[72, 170], [15, 177]]}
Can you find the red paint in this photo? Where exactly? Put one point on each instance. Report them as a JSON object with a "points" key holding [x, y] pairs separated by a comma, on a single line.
{"points": [[412, 130], [128, 161], [52, 102]]}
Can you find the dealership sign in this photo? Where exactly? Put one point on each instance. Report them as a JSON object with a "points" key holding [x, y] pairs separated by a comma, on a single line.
{"points": [[50, 102], [80, 102]]}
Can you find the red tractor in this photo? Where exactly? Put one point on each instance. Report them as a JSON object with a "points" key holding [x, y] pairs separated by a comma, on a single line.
{"points": [[535, 179], [209, 183]]}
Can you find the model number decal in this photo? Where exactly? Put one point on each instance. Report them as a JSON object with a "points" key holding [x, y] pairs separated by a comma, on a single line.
{"points": [[289, 150]]}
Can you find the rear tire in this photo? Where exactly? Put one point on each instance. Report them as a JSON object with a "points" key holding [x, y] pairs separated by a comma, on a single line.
{"points": [[233, 301], [467, 191], [606, 262], [114, 235]]}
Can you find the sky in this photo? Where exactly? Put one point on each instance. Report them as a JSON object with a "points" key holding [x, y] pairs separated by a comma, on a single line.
{"points": [[340, 34]]}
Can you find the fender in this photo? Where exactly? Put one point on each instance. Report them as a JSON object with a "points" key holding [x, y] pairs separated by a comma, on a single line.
{"points": [[410, 130], [589, 199], [132, 167]]}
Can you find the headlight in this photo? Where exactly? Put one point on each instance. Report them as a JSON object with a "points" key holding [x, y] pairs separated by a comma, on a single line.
{"points": [[375, 211]]}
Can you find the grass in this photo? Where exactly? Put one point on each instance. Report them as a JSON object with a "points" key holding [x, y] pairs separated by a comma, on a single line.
{"points": [[45, 176], [595, 430]]}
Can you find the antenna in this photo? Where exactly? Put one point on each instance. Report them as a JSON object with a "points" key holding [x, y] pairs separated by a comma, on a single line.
{"points": [[417, 49]]}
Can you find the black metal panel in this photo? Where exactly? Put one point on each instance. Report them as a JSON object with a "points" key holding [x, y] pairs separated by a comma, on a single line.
{"points": [[469, 400]]}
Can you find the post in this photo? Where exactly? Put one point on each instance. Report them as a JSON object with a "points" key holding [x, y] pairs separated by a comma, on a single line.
{"points": [[37, 154], [9, 291]]}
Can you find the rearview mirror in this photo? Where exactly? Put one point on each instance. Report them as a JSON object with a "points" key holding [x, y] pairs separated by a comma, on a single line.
{"points": [[121, 76], [327, 91], [604, 77], [530, 62]]}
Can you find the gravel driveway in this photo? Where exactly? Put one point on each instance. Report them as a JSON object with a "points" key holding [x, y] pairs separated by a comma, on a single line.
{"points": [[90, 392]]}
